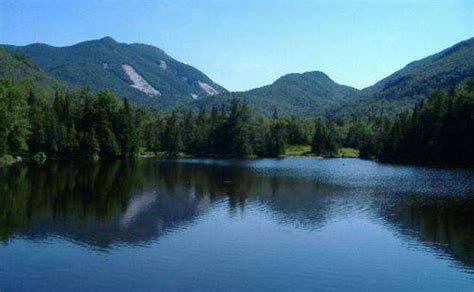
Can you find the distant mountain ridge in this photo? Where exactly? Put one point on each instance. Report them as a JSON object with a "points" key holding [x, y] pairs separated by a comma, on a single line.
{"points": [[146, 74], [305, 89], [411, 84], [447, 67], [315, 94], [149, 77], [310, 93], [20, 69]]}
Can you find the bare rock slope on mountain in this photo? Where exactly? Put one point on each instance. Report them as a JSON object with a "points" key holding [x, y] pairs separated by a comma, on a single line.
{"points": [[146, 74]]}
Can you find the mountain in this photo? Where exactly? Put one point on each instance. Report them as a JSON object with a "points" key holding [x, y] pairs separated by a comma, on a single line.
{"points": [[146, 74], [314, 93], [150, 77], [308, 94], [20, 69], [408, 86]]}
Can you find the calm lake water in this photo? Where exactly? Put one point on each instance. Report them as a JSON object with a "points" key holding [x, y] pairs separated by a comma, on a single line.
{"points": [[289, 224]]}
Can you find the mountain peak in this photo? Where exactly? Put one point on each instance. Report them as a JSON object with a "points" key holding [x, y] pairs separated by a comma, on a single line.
{"points": [[144, 73], [316, 74], [309, 93], [108, 40], [310, 75]]}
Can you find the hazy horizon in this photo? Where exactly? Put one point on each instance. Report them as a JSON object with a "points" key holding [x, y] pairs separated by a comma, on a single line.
{"points": [[243, 45]]}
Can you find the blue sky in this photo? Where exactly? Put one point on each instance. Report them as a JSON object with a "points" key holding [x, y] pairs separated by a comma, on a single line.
{"points": [[246, 44]]}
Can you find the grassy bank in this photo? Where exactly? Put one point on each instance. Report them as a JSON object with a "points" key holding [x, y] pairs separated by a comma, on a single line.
{"points": [[291, 150], [305, 150], [297, 150], [348, 153]]}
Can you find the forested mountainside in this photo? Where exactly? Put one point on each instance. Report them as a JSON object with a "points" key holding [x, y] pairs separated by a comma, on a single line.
{"points": [[21, 69], [40, 115], [408, 86], [82, 123], [314, 93], [308, 94], [151, 78], [143, 73]]}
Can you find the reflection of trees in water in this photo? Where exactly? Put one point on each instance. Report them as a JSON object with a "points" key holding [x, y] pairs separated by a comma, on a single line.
{"points": [[135, 202], [59, 191], [96, 203], [132, 202], [299, 202], [445, 223], [291, 200]]}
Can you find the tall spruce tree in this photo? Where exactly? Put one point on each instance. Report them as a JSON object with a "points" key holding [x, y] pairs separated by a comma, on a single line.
{"points": [[324, 140], [172, 135], [276, 137]]}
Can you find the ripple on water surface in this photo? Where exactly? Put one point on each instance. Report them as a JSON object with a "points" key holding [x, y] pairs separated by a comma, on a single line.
{"points": [[266, 224]]}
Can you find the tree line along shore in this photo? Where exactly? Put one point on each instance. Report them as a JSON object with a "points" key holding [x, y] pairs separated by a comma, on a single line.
{"points": [[84, 123]]}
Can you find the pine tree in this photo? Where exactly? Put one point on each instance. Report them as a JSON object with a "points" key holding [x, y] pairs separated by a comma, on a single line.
{"points": [[295, 132], [189, 132], [324, 142], [172, 136], [216, 139], [236, 131], [72, 146], [91, 143], [127, 134], [202, 133], [275, 138], [104, 120], [14, 123]]}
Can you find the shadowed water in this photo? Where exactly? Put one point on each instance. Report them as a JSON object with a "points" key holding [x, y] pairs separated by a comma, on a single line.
{"points": [[288, 224]]}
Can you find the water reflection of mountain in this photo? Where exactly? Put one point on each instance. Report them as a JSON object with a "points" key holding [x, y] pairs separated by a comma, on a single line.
{"points": [[147, 216], [95, 203], [444, 223], [101, 204], [132, 203]]}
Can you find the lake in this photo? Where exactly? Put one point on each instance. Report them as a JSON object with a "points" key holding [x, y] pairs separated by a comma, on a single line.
{"points": [[269, 224]]}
